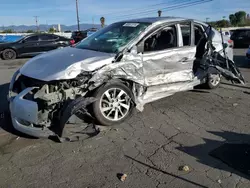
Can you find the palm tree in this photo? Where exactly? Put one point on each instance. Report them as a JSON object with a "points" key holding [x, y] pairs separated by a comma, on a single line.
{"points": [[159, 13]]}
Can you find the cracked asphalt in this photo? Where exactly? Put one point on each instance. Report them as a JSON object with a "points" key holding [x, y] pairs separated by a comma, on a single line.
{"points": [[150, 147]]}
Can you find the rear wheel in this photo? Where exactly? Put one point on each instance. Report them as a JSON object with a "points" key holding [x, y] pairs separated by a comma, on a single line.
{"points": [[113, 105], [213, 81], [9, 54]]}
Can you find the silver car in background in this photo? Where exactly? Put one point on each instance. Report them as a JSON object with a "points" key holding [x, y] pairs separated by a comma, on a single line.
{"points": [[125, 65]]}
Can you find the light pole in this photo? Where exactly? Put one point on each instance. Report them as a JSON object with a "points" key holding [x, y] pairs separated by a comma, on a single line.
{"points": [[37, 28], [77, 16]]}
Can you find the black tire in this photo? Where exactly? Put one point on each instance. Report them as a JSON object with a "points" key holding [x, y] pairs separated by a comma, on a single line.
{"points": [[210, 84], [8, 54], [96, 105]]}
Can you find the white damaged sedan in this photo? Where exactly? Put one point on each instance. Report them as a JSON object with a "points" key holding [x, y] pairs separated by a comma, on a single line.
{"points": [[125, 65]]}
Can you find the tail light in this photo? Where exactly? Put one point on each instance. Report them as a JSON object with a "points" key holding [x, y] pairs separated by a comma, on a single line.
{"points": [[231, 43], [72, 41]]}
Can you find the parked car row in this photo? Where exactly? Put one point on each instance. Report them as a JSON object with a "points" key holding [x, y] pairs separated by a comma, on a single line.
{"points": [[12, 47], [32, 45]]}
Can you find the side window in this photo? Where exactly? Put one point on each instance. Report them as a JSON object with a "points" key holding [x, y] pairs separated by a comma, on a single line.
{"points": [[32, 39], [164, 39], [242, 34], [47, 37], [198, 33], [186, 34]]}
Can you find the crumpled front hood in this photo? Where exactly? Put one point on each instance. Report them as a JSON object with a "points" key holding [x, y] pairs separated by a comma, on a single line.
{"points": [[55, 64]]}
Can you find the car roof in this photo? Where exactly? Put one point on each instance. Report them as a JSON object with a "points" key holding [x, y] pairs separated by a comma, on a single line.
{"points": [[156, 19], [38, 34]]}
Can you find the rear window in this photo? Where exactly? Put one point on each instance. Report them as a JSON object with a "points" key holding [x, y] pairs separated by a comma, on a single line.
{"points": [[241, 33], [31, 39], [48, 37]]}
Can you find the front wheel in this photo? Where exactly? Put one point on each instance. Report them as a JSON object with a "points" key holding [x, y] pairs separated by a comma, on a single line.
{"points": [[213, 81], [9, 54], [114, 104]]}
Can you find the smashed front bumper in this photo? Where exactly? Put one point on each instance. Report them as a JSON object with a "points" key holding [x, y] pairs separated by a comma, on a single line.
{"points": [[24, 113], [24, 116]]}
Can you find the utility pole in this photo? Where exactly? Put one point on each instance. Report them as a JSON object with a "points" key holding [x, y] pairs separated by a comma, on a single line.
{"points": [[77, 16], [37, 29]]}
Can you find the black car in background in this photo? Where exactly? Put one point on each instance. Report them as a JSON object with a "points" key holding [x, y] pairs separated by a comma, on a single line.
{"points": [[241, 37], [32, 45], [80, 35]]}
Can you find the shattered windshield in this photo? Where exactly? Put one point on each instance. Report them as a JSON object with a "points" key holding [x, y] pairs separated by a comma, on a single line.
{"points": [[113, 38]]}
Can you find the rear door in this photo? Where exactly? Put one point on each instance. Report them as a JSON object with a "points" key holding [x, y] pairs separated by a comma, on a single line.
{"points": [[48, 42], [30, 45], [168, 54]]}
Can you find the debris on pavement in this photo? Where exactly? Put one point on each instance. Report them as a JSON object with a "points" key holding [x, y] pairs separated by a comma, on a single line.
{"points": [[184, 168], [122, 177], [235, 104], [219, 181]]}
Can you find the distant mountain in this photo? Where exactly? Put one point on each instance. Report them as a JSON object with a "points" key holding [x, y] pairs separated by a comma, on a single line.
{"points": [[43, 27]]}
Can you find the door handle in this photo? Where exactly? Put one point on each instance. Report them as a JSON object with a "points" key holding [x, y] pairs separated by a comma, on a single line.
{"points": [[185, 59]]}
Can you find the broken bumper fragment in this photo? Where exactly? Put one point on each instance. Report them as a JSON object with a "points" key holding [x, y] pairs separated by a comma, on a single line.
{"points": [[24, 116]]}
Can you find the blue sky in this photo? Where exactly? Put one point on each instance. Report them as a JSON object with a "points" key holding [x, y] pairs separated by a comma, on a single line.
{"points": [[20, 12]]}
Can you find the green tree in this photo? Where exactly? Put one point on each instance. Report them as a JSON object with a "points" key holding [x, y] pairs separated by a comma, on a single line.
{"points": [[213, 24], [240, 17], [223, 23], [52, 30], [233, 19], [30, 31], [7, 31]]}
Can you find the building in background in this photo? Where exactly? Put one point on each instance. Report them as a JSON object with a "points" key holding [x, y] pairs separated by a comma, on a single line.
{"points": [[59, 27]]}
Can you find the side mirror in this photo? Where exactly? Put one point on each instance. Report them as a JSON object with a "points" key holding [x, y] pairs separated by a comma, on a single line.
{"points": [[23, 41], [140, 47], [134, 50], [225, 45]]}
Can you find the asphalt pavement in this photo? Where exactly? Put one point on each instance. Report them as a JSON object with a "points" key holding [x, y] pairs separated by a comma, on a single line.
{"points": [[150, 148]]}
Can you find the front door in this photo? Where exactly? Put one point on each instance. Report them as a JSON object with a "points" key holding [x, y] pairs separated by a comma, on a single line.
{"points": [[169, 54], [30, 45]]}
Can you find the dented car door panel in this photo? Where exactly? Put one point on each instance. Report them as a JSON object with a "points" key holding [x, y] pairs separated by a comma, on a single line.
{"points": [[169, 66]]}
